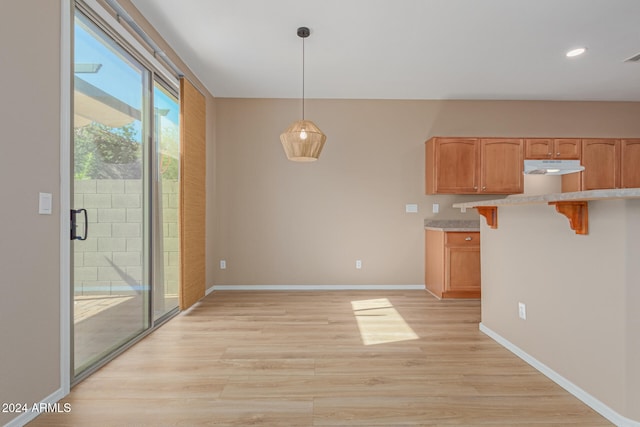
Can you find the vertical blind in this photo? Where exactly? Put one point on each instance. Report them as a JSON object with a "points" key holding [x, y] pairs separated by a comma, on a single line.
{"points": [[192, 194]]}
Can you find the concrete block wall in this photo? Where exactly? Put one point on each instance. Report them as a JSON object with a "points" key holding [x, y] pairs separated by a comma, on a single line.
{"points": [[110, 261], [171, 235]]}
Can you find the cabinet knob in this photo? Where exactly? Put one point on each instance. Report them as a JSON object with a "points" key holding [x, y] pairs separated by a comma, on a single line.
{"points": [[467, 239], [557, 154], [475, 188], [484, 188], [549, 154]]}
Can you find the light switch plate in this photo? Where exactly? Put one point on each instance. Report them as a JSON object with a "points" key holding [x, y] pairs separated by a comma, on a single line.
{"points": [[436, 207], [411, 208], [44, 204]]}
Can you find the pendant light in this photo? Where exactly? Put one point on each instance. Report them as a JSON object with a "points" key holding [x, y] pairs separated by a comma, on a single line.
{"points": [[303, 140]]}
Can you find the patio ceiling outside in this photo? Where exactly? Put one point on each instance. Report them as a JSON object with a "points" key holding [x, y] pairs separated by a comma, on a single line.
{"points": [[92, 104]]}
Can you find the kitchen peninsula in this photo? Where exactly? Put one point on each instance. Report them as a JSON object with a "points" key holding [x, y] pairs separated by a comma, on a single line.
{"points": [[573, 261]]}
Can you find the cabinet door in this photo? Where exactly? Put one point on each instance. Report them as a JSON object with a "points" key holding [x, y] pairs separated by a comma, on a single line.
{"points": [[455, 165], [463, 269], [502, 165], [566, 148], [538, 148], [630, 163], [600, 159]]}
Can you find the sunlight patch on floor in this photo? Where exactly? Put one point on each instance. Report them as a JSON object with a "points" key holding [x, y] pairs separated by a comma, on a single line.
{"points": [[379, 322]]}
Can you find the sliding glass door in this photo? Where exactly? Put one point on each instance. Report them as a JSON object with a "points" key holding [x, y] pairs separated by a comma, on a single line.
{"points": [[124, 216], [167, 195]]}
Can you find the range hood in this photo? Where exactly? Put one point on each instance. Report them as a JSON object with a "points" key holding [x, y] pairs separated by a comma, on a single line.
{"points": [[552, 167]]}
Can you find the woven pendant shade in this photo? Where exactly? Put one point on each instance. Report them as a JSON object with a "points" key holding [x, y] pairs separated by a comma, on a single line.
{"points": [[303, 141]]}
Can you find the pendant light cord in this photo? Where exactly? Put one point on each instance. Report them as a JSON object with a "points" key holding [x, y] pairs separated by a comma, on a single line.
{"points": [[302, 78]]}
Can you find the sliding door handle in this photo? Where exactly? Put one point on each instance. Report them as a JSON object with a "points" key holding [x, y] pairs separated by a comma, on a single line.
{"points": [[74, 224]]}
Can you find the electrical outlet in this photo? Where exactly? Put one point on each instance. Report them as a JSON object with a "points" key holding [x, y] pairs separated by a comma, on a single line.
{"points": [[435, 208], [522, 311], [223, 264], [358, 264]]}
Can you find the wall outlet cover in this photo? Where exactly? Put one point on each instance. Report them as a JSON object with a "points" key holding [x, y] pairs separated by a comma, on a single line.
{"points": [[522, 311]]}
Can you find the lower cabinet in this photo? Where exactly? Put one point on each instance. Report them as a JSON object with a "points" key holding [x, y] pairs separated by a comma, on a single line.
{"points": [[452, 263]]}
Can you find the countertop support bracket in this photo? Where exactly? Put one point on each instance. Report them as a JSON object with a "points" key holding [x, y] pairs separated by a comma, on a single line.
{"points": [[577, 213], [490, 213]]}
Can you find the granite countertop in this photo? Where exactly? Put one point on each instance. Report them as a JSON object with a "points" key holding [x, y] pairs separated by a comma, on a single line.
{"points": [[624, 193], [452, 224]]}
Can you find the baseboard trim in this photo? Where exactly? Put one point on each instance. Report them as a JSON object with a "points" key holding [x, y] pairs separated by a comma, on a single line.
{"points": [[315, 288], [25, 417], [595, 404]]}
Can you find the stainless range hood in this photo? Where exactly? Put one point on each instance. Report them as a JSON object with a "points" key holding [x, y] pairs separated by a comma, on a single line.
{"points": [[552, 167]]}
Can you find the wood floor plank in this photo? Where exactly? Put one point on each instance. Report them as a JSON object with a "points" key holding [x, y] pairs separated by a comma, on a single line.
{"points": [[373, 358], [315, 351], [447, 410], [355, 386]]}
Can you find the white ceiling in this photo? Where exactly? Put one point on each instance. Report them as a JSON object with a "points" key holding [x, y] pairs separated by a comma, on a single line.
{"points": [[407, 49]]}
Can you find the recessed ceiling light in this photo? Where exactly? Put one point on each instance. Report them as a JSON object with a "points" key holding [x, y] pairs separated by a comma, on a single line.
{"points": [[576, 52]]}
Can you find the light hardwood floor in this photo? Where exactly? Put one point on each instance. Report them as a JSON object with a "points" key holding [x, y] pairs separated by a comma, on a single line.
{"points": [[300, 359]]}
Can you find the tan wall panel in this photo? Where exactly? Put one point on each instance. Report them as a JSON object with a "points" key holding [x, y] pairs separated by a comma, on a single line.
{"points": [[283, 223], [632, 312], [29, 164], [576, 290], [193, 194]]}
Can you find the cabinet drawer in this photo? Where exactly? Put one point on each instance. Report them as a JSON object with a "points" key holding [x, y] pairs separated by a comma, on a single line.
{"points": [[462, 238]]}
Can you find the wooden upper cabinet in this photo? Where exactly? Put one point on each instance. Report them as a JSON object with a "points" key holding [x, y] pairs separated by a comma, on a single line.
{"points": [[452, 165], [630, 163], [567, 148], [548, 148], [473, 165], [601, 161], [502, 163], [495, 165], [608, 163], [538, 148]]}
